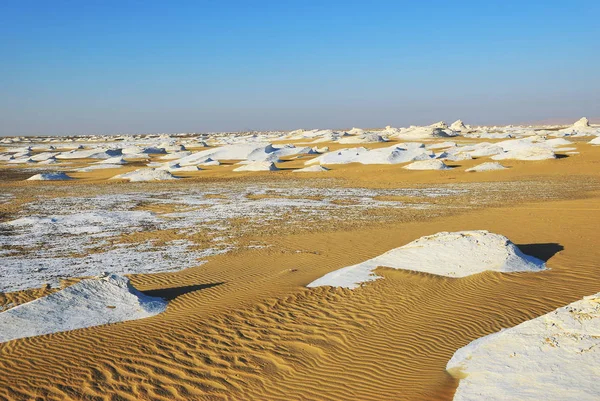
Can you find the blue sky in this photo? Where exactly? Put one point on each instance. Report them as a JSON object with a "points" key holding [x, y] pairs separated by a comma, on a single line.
{"points": [[195, 66]]}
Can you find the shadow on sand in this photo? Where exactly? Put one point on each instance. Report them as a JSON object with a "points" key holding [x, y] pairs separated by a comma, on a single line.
{"points": [[541, 251], [170, 294]]}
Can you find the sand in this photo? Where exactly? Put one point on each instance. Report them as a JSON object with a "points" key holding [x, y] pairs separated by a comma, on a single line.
{"points": [[243, 325], [272, 339]]}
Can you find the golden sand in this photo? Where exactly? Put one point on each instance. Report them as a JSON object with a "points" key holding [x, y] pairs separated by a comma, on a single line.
{"points": [[244, 327]]}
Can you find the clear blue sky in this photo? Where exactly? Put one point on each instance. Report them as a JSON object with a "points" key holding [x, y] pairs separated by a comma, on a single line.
{"points": [[182, 66]]}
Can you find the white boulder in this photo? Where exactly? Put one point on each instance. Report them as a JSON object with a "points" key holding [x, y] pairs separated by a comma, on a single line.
{"points": [[451, 254]]}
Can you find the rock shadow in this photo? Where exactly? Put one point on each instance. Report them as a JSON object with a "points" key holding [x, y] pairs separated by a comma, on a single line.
{"points": [[541, 251], [170, 294]]}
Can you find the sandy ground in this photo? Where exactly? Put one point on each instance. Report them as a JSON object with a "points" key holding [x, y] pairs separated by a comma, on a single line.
{"points": [[244, 327]]}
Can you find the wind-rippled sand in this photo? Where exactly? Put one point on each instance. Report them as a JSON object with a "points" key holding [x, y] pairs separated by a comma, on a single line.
{"points": [[242, 326], [254, 333]]}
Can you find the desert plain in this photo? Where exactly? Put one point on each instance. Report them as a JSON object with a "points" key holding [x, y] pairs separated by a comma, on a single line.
{"points": [[422, 263]]}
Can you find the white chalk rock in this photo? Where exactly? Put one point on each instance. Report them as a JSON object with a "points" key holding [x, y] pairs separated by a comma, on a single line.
{"points": [[90, 302], [458, 125], [145, 174], [554, 357], [529, 153], [394, 154], [59, 176], [451, 254], [583, 122], [489, 166], [369, 137], [432, 164]]}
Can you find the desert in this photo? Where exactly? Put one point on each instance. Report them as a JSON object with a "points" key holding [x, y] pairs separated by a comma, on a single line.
{"points": [[147, 280]]}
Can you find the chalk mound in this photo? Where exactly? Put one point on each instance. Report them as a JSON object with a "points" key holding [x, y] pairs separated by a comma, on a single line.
{"points": [[555, 356], [257, 166], [458, 125], [89, 154], [59, 176], [432, 164], [145, 174], [595, 141], [439, 124], [438, 130], [49, 161], [583, 122], [370, 137], [210, 162], [489, 166], [90, 302], [527, 153], [95, 167], [401, 153], [312, 169], [146, 151], [183, 169], [241, 151], [40, 157], [175, 155], [451, 254], [581, 127]]}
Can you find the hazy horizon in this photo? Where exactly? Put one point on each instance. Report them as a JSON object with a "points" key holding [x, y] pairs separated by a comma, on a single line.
{"points": [[552, 121], [118, 67]]}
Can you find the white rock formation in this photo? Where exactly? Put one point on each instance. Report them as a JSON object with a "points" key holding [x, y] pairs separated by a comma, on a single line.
{"points": [[431, 164], [113, 160], [459, 126], [530, 153], [395, 154], [58, 176], [438, 130], [369, 137], [489, 166], [90, 302], [452, 254], [581, 127], [89, 154], [553, 357], [145, 174], [583, 122]]}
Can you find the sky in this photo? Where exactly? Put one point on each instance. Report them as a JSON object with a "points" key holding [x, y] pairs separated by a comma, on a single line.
{"points": [[77, 67]]}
